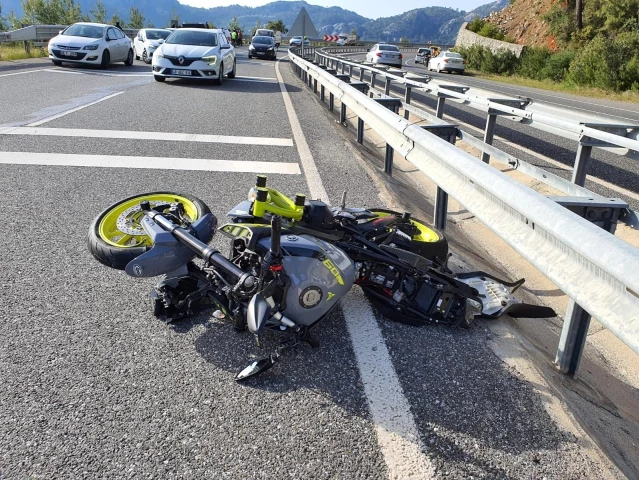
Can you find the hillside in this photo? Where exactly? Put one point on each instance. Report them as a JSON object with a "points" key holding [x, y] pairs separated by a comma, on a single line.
{"points": [[438, 24], [522, 22]]}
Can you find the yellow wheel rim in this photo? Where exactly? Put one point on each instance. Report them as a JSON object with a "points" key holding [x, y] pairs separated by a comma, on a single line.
{"points": [[426, 234], [120, 226]]}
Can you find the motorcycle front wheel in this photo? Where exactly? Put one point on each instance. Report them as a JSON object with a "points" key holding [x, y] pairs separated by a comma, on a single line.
{"points": [[116, 236], [427, 241]]}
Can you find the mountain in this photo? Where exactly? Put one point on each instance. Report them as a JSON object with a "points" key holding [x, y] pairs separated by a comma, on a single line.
{"points": [[438, 24]]}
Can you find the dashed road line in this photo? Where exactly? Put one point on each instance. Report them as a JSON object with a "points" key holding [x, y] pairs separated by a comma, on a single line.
{"points": [[136, 135], [155, 163]]}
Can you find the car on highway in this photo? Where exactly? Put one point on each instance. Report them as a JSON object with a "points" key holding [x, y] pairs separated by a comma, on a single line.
{"points": [[448, 62], [385, 54], [147, 41], [262, 47], [423, 55], [195, 53], [264, 32], [91, 44], [297, 42]]}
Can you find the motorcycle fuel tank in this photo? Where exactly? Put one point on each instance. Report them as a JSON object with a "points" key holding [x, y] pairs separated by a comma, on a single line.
{"points": [[320, 275]]}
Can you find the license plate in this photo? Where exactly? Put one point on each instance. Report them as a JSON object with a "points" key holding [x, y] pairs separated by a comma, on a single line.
{"points": [[181, 72], [261, 53], [68, 54]]}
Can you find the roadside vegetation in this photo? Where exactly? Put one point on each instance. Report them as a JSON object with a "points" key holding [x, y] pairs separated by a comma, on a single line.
{"points": [[597, 47], [16, 51], [488, 30]]}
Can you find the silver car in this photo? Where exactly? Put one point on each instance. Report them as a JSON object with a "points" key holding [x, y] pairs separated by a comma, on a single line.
{"points": [[449, 62], [147, 41], [384, 54]]}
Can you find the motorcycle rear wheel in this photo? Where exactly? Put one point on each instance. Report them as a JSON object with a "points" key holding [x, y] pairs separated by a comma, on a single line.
{"points": [[429, 243], [116, 236]]}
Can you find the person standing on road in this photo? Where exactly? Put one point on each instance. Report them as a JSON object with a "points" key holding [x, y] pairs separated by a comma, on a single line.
{"points": [[234, 38], [239, 38]]}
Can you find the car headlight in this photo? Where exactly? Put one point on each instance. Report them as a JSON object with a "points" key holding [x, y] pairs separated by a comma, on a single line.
{"points": [[211, 59], [251, 47], [270, 49], [90, 47], [158, 54]]}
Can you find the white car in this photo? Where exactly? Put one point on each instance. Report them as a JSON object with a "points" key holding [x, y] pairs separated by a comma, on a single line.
{"points": [[384, 54], [297, 42], [147, 41], [91, 43], [448, 61], [195, 53]]}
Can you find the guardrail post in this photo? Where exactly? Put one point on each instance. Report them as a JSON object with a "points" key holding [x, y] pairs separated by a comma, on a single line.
{"points": [[361, 74], [315, 85], [322, 92], [407, 101], [448, 133], [360, 130], [439, 112], [441, 97], [392, 104], [488, 135], [373, 74], [604, 213], [331, 101], [387, 86], [581, 164]]}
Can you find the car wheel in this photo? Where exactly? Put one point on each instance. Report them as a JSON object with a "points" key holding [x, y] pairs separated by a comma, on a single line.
{"points": [[232, 72], [57, 63], [129, 58], [249, 56], [439, 70], [106, 59], [137, 57], [220, 79], [158, 78], [145, 57]]}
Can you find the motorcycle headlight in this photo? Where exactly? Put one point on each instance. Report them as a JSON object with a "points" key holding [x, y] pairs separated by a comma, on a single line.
{"points": [[211, 59], [90, 47]]}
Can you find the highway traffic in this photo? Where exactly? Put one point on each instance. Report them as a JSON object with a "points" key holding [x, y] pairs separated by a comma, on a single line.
{"points": [[93, 385]]}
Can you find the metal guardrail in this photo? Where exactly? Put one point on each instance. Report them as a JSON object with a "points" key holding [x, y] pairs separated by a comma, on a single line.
{"points": [[616, 138], [598, 271]]}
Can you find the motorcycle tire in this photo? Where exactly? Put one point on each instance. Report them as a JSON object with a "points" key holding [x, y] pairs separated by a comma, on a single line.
{"points": [[115, 248], [430, 243]]}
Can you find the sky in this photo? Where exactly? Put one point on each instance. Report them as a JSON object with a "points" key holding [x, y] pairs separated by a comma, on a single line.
{"points": [[366, 8]]}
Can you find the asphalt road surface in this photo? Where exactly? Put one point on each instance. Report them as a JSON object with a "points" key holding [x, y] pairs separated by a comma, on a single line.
{"points": [[93, 386], [611, 175]]}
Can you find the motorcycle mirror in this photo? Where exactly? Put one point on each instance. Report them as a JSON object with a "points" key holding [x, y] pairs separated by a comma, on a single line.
{"points": [[255, 368], [257, 314]]}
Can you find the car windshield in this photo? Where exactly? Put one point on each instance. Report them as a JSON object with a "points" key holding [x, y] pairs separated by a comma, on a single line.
{"points": [[390, 48], [453, 54], [202, 39], [262, 40], [423, 50], [89, 31], [157, 34], [296, 38]]}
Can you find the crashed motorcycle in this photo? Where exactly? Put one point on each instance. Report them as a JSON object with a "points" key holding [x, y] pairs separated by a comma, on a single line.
{"points": [[289, 264]]}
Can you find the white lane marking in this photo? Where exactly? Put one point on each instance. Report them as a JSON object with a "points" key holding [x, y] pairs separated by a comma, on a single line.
{"points": [[154, 163], [306, 157], [26, 71], [104, 73], [135, 135], [67, 112], [406, 63], [544, 158], [395, 427], [259, 79]]}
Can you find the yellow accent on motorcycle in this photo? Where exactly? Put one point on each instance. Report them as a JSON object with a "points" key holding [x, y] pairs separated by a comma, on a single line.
{"points": [[330, 295], [334, 270]]}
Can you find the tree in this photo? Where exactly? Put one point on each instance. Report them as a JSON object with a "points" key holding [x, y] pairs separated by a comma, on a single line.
{"points": [[99, 12], [4, 25], [276, 25], [234, 24], [404, 40], [51, 12], [136, 19], [149, 24], [257, 25], [115, 19], [174, 21], [212, 24]]}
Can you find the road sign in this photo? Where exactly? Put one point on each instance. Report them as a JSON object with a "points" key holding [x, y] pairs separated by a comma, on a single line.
{"points": [[331, 38], [303, 26]]}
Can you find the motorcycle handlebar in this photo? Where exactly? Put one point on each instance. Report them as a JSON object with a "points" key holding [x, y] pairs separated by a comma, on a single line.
{"points": [[276, 235], [204, 251]]}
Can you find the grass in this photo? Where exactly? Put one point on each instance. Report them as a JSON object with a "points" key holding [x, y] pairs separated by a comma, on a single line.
{"points": [[15, 51], [627, 96]]}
